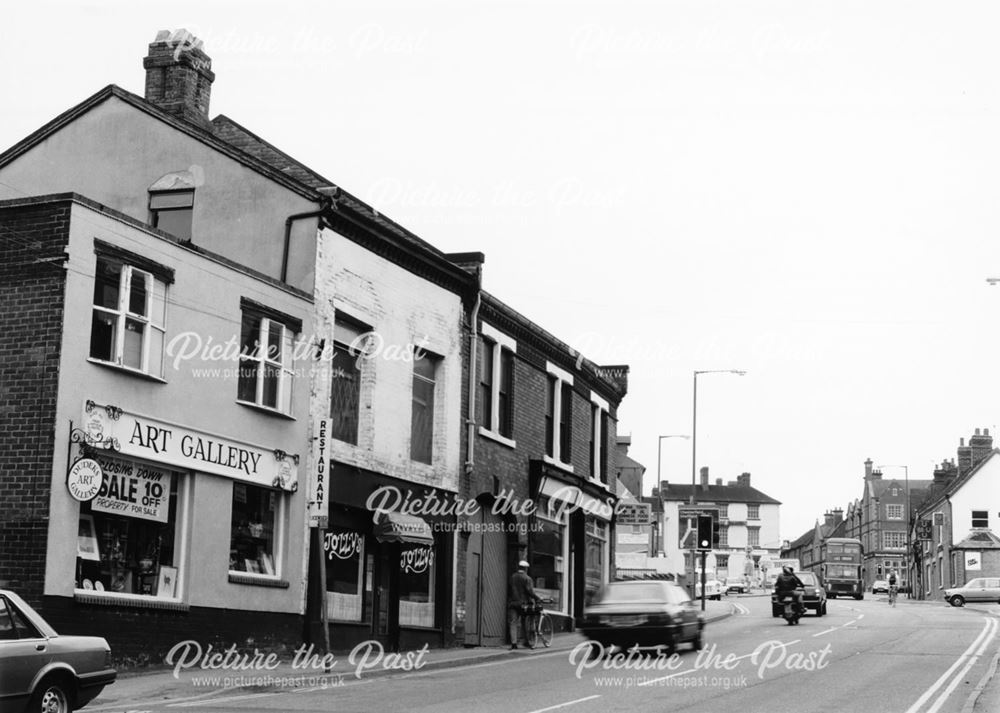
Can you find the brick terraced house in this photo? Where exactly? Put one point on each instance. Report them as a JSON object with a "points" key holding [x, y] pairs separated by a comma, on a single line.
{"points": [[136, 229]]}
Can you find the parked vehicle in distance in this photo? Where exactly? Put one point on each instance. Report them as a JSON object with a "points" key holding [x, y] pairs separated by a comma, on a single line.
{"points": [[713, 589], [646, 614], [981, 589], [43, 671], [736, 585], [880, 585]]}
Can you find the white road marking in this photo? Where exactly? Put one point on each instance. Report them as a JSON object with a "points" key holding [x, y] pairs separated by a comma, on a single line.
{"points": [[961, 674], [842, 626], [944, 677], [563, 705]]}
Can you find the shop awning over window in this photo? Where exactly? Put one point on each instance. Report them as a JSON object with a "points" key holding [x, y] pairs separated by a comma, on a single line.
{"points": [[397, 527], [574, 498]]}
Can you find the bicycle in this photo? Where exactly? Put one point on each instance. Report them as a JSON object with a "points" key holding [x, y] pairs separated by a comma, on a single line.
{"points": [[893, 591], [540, 627]]}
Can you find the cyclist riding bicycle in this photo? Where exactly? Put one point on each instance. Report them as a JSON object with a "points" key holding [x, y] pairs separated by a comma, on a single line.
{"points": [[892, 587]]}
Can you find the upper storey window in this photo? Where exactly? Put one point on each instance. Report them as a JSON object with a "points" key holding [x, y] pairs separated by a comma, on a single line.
{"points": [[171, 204]]}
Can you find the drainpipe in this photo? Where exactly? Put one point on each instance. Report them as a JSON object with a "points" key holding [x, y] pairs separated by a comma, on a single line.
{"points": [[470, 422], [324, 205]]}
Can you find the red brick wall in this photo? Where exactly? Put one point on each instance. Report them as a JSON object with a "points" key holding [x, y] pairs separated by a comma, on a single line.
{"points": [[510, 465], [32, 281]]}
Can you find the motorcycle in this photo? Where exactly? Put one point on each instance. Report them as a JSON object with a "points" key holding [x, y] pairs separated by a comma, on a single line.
{"points": [[787, 607]]}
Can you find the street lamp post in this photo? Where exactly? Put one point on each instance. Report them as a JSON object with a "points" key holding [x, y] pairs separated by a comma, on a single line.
{"points": [[694, 466], [659, 443], [906, 521]]}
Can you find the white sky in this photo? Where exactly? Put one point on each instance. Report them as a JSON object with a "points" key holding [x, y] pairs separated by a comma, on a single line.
{"points": [[806, 191]]}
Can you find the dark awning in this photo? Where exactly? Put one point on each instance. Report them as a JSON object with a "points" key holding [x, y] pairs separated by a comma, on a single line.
{"points": [[397, 527]]}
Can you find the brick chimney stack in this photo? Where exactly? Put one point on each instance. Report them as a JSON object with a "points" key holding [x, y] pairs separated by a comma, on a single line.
{"points": [[179, 76], [868, 469], [828, 519], [945, 473], [981, 445], [964, 457], [743, 480], [704, 477]]}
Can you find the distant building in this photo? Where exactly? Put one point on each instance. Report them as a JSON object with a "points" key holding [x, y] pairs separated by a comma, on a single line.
{"points": [[749, 526], [807, 548], [961, 509]]}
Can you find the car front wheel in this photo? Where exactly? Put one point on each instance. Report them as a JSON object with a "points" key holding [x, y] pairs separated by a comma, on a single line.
{"points": [[52, 696], [957, 601]]}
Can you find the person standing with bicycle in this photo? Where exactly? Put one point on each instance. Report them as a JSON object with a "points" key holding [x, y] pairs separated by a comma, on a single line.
{"points": [[521, 601]]}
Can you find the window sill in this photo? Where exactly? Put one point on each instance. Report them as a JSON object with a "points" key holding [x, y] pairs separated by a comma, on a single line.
{"points": [[257, 580], [127, 370], [558, 464], [494, 436], [266, 409], [138, 601], [417, 627]]}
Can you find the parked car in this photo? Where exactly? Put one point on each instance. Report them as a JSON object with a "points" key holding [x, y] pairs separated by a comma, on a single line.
{"points": [[713, 589], [880, 585], [736, 585], [982, 589], [43, 671], [643, 613], [813, 595]]}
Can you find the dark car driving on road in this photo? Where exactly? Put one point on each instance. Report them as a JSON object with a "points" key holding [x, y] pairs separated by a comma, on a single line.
{"points": [[43, 671], [813, 595], [645, 614]]}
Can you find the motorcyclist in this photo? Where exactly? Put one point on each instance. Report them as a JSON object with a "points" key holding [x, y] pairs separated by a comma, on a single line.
{"points": [[788, 584]]}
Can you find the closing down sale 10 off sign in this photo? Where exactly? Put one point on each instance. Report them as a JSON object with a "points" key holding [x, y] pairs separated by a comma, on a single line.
{"points": [[133, 490]]}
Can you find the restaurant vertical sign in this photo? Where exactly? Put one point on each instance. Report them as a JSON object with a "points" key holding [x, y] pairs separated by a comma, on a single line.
{"points": [[319, 481]]}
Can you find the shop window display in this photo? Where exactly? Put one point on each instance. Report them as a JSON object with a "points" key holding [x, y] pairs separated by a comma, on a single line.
{"points": [[252, 542], [344, 552], [416, 585], [129, 550], [547, 559]]}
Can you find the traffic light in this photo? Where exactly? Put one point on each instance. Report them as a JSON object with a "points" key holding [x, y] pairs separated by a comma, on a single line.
{"points": [[705, 532]]}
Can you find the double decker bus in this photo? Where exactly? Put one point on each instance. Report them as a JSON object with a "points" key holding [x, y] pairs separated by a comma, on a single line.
{"points": [[840, 567]]}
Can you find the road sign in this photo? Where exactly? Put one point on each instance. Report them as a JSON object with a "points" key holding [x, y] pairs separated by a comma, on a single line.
{"points": [[635, 513], [687, 517]]}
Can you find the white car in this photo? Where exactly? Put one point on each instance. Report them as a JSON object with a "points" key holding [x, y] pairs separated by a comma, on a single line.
{"points": [[713, 589]]}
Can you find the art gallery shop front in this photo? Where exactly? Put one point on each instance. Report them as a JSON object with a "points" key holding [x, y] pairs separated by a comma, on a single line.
{"points": [[191, 535]]}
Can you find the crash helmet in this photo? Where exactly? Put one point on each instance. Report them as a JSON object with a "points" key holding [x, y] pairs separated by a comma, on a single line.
{"points": [[787, 569]]}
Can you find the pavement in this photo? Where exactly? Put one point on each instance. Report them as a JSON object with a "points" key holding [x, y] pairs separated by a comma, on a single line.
{"points": [[157, 685]]}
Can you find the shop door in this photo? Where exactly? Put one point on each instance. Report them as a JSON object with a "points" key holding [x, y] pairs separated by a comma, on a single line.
{"points": [[385, 622], [486, 582]]}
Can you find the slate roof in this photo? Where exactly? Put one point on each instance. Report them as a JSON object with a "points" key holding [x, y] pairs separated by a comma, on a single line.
{"points": [[979, 540], [718, 493]]}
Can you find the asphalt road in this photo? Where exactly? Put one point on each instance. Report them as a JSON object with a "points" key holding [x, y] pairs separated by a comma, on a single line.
{"points": [[863, 656]]}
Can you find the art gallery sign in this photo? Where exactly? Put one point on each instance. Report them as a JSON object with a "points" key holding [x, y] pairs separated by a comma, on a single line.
{"points": [[139, 436]]}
